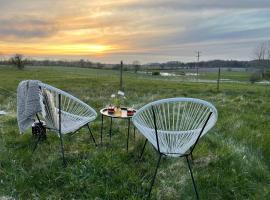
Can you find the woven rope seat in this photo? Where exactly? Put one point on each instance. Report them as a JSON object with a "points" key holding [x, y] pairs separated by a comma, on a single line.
{"points": [[174, 126], [74, 112], [178, 123], [63, 113]]}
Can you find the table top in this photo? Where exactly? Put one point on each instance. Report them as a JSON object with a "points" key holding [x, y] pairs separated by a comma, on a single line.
{"points": [[122, 114]]}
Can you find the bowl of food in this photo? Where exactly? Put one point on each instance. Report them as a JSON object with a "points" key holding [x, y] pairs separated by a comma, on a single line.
{"points": [[130, 111], [111, 109]]}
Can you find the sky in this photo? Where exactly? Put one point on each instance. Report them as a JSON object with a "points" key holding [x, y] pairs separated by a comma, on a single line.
{"points": [[109, 31]]}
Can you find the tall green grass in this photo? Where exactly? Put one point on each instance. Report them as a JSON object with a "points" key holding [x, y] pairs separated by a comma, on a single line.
{"points": [[231, 162]]}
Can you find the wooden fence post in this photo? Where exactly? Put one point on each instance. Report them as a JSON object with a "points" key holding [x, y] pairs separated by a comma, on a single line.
{"points": [[121, 76], [218, 80]]}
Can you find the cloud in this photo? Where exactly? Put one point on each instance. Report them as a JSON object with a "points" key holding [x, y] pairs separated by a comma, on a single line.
{"points": [[26, 27], [150, 30], [187, 5]]}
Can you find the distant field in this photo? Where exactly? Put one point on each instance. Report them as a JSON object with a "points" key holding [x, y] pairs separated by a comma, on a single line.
{"points": [[205, 75], [231, 162], [226, 75]]}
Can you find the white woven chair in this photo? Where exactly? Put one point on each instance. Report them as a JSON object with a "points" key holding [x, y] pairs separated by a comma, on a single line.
{"points": [[173, 126], [64, 113]]}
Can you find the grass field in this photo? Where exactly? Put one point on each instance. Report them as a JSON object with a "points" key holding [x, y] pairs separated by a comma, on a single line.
{"points": [[203, 76], [231, 162], [226, 75]]}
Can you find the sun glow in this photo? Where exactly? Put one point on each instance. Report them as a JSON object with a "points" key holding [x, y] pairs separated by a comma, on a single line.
{"points": [[79, 48], [63, 49]]}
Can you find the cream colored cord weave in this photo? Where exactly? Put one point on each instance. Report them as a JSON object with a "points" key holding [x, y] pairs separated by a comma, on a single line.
{"points": [[74, 112], [178, 121]]}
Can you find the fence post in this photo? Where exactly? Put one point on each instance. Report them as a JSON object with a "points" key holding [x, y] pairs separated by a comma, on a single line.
{"points": [[121, 76], [218, 80], [197, 73]]}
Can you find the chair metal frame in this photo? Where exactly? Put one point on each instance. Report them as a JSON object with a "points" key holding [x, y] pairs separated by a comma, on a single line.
{"points": [[60, 123], [186, 155]]}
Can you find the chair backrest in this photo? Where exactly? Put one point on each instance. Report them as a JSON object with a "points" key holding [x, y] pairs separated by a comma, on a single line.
{"points": [[71, 107], [178, 121]]}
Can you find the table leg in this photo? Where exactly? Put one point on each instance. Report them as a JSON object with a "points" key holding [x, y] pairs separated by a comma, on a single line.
{"points": [[111, 130], [128, 132], [101, 129], [134, 132]]}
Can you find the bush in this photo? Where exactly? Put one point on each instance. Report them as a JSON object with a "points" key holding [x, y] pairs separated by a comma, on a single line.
{"points": [[18, 61], [266, 75], [255, 77], [156, 73], [182, 73]]}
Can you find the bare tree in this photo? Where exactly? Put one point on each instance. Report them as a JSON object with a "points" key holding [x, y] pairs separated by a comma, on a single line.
{"points": [[268, 51], [18, 61], [262, 51], [259, 51], [262, 55]]}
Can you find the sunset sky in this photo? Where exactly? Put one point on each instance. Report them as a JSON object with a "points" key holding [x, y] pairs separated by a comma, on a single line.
{"points": [[147, 30]]}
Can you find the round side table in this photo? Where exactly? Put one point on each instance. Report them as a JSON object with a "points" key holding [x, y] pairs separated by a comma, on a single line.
{"points": [[118, 115]]}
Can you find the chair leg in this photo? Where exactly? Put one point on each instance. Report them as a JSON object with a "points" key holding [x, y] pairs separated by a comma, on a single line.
{"points": [[62, 149], [36, 143], [128, 132], [193, 181], [41, 135], [134, 130], [154, 177], [92, 136], [143, 149], [111, 129], [101, 129], [60, 130], [191, 158]]}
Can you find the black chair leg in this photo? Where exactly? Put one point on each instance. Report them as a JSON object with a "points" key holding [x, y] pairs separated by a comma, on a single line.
{"points": [[101, 129], [62, 149], [41, 135], [193, 181], [60, 130], [91, 134], [134, 130], [191, 156], [128, 133], [36, 143], [111, 129], [143, 149], [154, 177]]}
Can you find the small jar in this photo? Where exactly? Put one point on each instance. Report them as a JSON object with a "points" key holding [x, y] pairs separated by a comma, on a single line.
{"points": [[111, 109]]}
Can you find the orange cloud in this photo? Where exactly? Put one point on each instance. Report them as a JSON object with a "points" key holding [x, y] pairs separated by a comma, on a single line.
{"points": [[132, 29], [56, 49]]}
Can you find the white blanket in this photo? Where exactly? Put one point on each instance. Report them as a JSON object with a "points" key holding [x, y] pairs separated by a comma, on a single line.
{"points": [[28, 103]]}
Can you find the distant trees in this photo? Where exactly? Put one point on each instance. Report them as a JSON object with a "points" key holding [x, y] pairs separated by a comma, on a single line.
{"points": [[262, 60], [255, 77], [18, 61], [262, 51], [1, 56], [266, 74], [100, 65], [136, 65], [155, 73], [81, 63]]}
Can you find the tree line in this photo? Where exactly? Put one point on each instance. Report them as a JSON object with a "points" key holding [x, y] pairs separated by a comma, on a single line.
{"points": [[20, 61], [261, 60]]}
